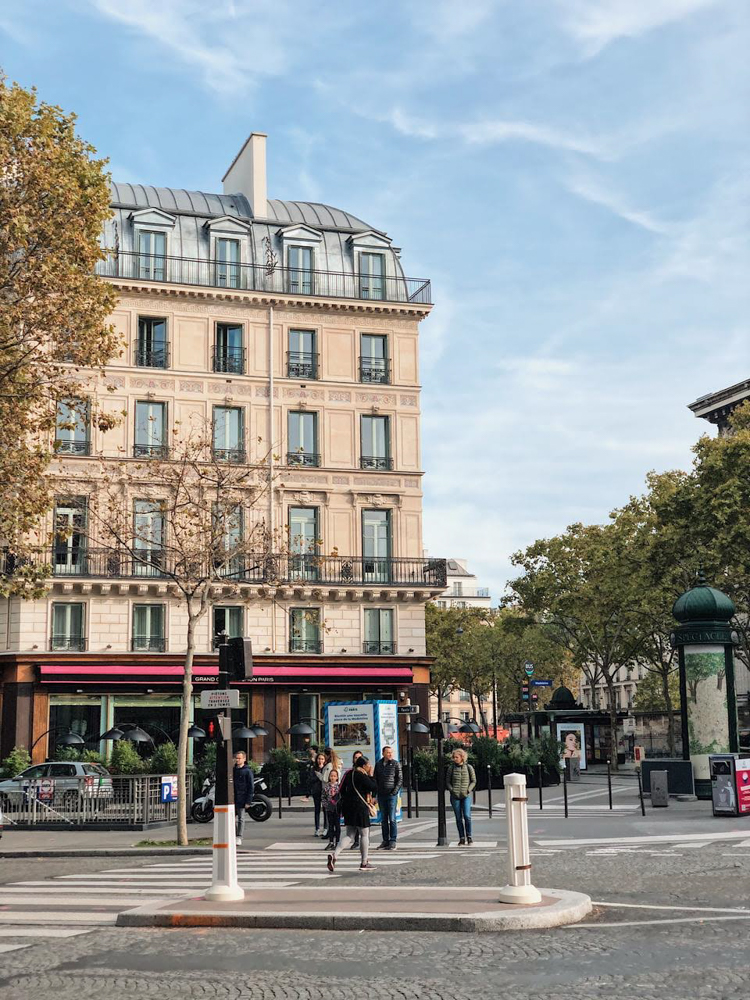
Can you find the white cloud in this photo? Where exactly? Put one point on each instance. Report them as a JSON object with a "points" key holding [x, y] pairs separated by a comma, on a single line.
{"points": [[596, 23], [490, 131], [596, 192]]}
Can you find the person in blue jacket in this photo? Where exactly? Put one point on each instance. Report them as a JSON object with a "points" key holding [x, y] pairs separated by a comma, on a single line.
{"points": [[244, 785]]}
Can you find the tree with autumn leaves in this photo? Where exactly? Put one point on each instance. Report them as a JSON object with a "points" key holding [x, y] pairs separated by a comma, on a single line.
{"points": [[54, 331]]}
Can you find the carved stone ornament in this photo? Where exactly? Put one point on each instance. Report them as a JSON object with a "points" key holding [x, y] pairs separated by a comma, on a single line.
{"points": [[188, 386], [339, 397], [152, 383], [408, 400]]}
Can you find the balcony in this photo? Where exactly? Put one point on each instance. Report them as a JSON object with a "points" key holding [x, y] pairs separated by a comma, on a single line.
{"points": [[303, 458], [150, 451], [376, 463], [148, 644], [68, 447], [71, 643], [256, 278], [151, 356], [305, 646], [302, 365], [255, 569], [236, 456], [375, 371], [469, 592], [373, 648], [229, 359]]}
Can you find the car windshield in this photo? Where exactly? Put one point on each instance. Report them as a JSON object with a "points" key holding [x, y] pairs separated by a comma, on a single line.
{"points": [[95, 769]]}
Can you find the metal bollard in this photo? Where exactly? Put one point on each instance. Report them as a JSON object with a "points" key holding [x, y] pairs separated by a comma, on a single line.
{"points": [[489, 790], [519, 888], [541, 782], [289, 788], [609, 780], [416, 795], [281, 791], [565, 788], [640, 793]]}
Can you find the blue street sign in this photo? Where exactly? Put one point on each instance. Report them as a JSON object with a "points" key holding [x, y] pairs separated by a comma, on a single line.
{"points": [[542, 684]]}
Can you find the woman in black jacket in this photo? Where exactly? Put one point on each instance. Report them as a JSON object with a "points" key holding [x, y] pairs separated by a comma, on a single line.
{"points": [[315, 779], [356, 790]]}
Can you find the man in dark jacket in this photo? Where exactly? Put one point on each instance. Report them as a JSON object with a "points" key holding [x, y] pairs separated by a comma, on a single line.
{"points": [[244, 785], [388, 779]]}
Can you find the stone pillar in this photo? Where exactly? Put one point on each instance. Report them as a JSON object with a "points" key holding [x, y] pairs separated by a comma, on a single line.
{"points": [[707, 692]]}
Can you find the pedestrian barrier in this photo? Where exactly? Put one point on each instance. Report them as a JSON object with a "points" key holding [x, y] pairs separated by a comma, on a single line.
{"points": [[519, 888]]}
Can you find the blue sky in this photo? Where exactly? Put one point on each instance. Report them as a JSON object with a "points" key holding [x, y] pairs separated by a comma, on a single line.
{"points": [[571, 174]]}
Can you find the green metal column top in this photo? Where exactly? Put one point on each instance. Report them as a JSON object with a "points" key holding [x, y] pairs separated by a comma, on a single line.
{"points": [[704, 614]]}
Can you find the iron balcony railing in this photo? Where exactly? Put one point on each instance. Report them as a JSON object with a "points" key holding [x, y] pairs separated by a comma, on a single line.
{"points": [[375, 462], [248, 568], [237, 456], [376, 371], [374, 648], [229, 359], [305, 646], [259, 278], [64, 446], [470, 592], [302, 458], [150, 451], [72, 642], [302, 365], [152, 355], [148, 644]]}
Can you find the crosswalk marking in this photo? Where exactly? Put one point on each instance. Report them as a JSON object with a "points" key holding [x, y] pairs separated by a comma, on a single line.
{"points": [[12, 947], [47, 932], [51, 916]]}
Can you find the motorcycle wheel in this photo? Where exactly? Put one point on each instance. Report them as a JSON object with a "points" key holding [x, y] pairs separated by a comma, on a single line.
{"points": [[200, 814], [260, 809]]}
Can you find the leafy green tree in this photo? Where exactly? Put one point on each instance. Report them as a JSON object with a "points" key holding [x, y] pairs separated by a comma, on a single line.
{"points": [[650, 694], [54, 199]]}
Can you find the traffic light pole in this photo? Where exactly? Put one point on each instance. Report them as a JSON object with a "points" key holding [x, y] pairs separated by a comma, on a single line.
{"points": [[224, 884], [442, 839]]}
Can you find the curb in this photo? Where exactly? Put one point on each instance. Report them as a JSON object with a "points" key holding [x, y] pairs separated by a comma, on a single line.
{"points": [[105, 852], [565, 908]]}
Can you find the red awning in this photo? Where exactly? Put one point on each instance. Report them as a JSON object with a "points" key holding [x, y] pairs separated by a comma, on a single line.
{"points": [[285, 673]]}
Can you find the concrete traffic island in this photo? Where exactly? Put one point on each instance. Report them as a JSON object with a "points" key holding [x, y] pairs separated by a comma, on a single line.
{"points": [[359, 907]]}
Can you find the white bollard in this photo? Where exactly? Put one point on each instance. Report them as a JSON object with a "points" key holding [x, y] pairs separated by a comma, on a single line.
{"points": [[519, 888], [224, 884]]}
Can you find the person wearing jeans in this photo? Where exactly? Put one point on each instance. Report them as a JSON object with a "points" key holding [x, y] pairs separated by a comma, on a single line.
{"points": [[355, 792], [461, 780], [389, 780]]}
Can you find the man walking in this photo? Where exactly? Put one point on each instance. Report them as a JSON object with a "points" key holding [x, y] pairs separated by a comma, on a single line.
{"points": [[244, 784], [389, 781]]}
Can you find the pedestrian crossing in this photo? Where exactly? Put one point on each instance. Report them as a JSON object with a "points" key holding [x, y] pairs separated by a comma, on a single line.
{"points": [[69, 905]]}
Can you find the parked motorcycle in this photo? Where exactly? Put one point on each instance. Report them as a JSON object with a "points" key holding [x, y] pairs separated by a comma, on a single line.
{"points": [[260, 809]]}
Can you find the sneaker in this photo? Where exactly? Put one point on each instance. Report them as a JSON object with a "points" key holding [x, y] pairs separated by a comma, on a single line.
{"points": [[392, 846], [462, 842], [331, 862], [367, 868], [239, 841], [329, 846], [469, 840], [382, 847]]}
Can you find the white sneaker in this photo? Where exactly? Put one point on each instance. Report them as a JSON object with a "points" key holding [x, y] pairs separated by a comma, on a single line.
{"points": [[239, 841]]}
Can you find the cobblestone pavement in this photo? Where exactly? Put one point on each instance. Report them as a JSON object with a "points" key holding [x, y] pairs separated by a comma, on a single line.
{"points": [[618, 954]]}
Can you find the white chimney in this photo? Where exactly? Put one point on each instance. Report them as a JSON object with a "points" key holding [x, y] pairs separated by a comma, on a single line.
{"points": [[247, 174]]}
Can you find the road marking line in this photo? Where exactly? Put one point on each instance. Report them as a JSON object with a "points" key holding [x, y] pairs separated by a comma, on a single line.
{"points": [[676, 838], [118, 899], [654, 923], [55, 932], [658, 906], [50, 916], [13, 947]]}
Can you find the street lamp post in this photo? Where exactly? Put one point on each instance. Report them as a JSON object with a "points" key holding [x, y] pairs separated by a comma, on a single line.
{"points": [[68, 738]]}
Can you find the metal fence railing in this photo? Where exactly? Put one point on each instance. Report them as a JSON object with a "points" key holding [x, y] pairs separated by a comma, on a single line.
{"points": [[129, 801]]}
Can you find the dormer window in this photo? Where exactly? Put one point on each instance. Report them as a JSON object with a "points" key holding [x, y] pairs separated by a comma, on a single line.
{"points": [[300, 273], [152, 255], [229, 249], [227, 263], [298, 244], [372, 275]]}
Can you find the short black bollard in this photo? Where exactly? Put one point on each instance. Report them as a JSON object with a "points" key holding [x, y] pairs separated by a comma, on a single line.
{"points": [[416, 795], [489, 790], [609, 780], [289, 788], [281, 791], [541, 782], [565, 789], [640, 793]]}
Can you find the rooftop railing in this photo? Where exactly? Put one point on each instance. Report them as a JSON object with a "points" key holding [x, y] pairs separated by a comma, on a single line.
{"points": [[309, 570], [259, 278]]}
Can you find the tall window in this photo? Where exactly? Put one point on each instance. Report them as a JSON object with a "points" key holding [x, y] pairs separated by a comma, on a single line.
{"points": [[69, 547], [148, 628], [300, 270], [304, 630], [227, 263], [148, 538], [152, 349], [229, 525], [303, 439], [302, 360], [376, 443], [229, 620], [378, 631], [152, 255], [229, 355], [150, 430], [229, 436], [373, 360], [372, 275], [303, 542], [67, 627], [376, 545], [72, 427]]}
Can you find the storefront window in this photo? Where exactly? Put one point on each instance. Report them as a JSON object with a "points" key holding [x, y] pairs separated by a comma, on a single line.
{"points": [[81, 714]]}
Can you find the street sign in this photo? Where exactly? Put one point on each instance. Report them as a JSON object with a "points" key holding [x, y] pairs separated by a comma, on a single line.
{"points": [[220, 698], [534, 696], [542, 684], [408, 709], [524, 692], [169, 788], [46, 790], [529, 668]]}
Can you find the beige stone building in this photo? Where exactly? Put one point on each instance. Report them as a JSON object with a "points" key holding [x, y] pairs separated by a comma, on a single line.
{"points": [[290, 331]]}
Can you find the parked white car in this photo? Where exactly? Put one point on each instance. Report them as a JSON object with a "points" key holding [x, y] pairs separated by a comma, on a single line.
{"points": [[57, 783]]}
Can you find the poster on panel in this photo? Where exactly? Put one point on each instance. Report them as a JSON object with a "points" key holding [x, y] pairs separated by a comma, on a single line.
{"points": [[350, 726], [572, 735]]}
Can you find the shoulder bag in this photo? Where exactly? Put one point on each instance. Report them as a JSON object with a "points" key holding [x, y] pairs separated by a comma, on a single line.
{"points": [[371, 807]]}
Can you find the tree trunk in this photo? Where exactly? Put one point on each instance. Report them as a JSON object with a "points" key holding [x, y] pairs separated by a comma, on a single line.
{"points": [[482, 715], [182, 746], [612, 720], [670, 712]]}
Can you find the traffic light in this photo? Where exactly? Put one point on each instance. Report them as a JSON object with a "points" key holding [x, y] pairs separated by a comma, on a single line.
{"points": [[239, 658]]}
